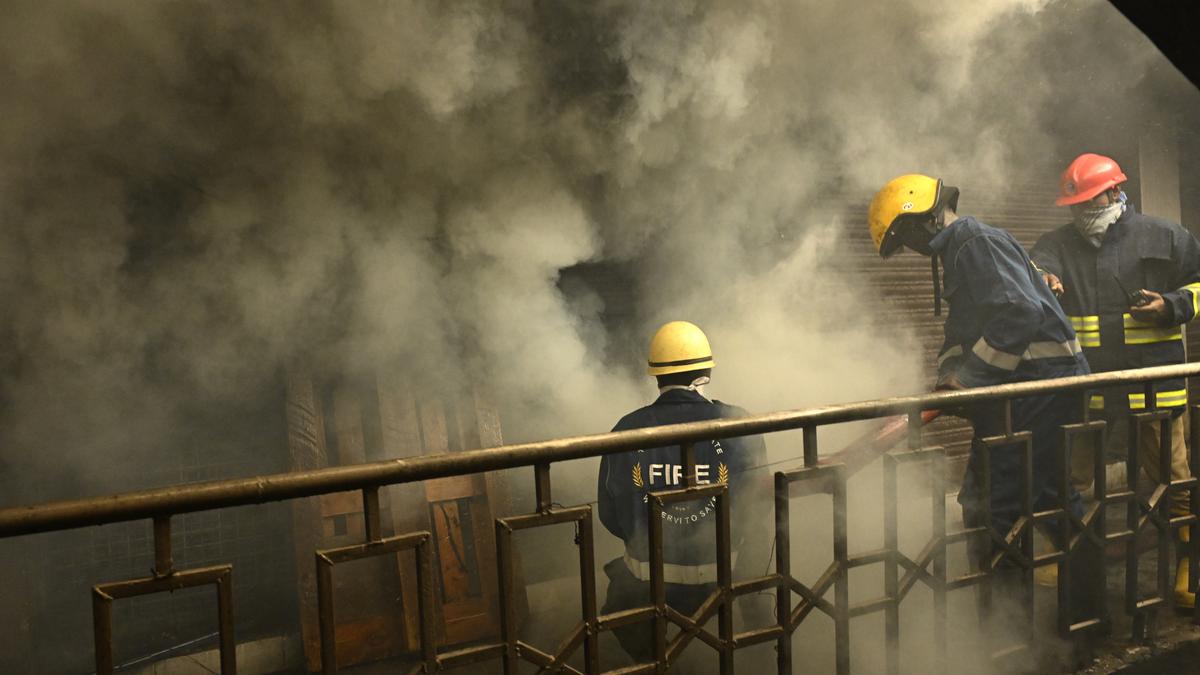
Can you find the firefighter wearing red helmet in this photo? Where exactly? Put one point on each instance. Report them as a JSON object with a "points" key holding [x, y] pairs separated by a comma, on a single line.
{"points": [[1128, 282]]}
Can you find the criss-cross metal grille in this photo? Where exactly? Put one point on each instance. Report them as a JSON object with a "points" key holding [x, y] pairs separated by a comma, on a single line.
{"points": [[578, 650]]}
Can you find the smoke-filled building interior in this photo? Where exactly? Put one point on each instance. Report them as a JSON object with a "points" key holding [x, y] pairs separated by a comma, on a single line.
{"points": [[251, 239]]}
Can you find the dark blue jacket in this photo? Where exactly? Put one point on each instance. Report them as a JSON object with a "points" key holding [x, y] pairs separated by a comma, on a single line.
{"points": [[1004, 324], [1143, 252], [689, 535]]}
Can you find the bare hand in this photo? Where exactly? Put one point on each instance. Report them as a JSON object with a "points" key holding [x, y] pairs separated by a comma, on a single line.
{"points": [[1155, 311], [1054, 283]]}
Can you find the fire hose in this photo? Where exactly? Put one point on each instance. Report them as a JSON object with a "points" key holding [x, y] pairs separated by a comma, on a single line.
{"points": [[864, 449]]}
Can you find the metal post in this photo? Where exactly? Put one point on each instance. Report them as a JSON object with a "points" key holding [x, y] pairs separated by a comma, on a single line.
{"points": [[810, 446], [371, 518], [891, 568], [687, 460], [228, 640], [1100, 492], [1027, 589], [658, 588], [725, 581], [1131, 524], [424, 553], [938, 495], [541, 483], [163, 565], [587, 583], [1064, 535], [1166, 533], [841, 584], [325, 616], [1193, 547], [102, 631], [783, 568], [508, 609], [985, 560]]}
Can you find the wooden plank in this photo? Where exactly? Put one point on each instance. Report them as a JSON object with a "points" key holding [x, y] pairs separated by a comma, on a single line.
{"points": [[306, 450], [400, 436], [466, 573], [348, 427], [445, 489], [487, 433]]}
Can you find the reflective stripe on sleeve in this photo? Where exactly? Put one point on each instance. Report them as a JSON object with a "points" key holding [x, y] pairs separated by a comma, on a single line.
{"points": [[1194, 290], [1089, 340], [1096, 402], [1036, 350], [950, 353], [994, 357], [1051, 350], [1144, 332]]}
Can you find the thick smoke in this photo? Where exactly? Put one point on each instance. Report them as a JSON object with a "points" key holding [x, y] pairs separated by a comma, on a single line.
{"points": [[194, 196]]}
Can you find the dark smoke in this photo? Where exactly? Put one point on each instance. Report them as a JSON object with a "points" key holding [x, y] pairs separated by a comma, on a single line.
{"points": [[194, 196]]}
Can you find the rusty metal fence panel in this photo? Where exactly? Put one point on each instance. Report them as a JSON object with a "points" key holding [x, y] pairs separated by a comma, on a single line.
{"points": [[795, 599]]}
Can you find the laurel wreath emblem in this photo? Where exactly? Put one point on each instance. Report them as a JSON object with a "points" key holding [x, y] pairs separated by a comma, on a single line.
{"points": [[723, 473], [637, 475]]}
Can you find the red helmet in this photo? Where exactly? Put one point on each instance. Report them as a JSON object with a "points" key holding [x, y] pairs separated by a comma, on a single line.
{"points": [[1086, 177]]}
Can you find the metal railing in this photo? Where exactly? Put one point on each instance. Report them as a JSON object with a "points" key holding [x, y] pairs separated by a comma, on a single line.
{"points": [[795, 599]]}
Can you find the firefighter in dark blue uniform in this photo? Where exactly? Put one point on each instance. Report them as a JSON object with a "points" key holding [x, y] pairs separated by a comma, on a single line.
{"points": [[1004, 325], [1106, 253], [681, 360]]}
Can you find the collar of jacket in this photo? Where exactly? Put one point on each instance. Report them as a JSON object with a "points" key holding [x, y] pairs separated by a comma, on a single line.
{"points": [[680, 396], [942, 239]]}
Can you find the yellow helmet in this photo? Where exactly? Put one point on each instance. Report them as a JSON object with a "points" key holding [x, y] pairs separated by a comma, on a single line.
{"points": [[677, 347], [908, 195]]}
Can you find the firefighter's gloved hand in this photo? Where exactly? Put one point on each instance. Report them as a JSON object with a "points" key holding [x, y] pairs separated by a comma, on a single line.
{"points": [[1054, 283], [1155, 311], [949, 382]]}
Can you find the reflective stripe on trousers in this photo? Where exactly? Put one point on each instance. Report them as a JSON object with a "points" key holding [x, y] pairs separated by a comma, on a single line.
{"points": [[1163, 399]]}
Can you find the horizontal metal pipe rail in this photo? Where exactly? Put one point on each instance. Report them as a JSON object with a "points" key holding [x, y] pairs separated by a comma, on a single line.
{"points": [[1012, 550], [67, 514]]}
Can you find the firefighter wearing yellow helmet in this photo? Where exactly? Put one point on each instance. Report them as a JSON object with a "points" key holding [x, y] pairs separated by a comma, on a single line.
{"points": [[679, 347], [681, 361], [906, 212], [1004, 325]]}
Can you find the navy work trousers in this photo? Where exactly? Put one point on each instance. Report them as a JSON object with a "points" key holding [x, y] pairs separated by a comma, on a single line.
{"points": [[1044, 416]]}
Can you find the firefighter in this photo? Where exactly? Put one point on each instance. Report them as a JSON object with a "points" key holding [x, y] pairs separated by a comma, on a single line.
{"points": [[1128, 283], [681, 361], [1004, 325]]}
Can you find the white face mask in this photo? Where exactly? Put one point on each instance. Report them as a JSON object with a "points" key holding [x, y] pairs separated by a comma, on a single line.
{"points": [[1093, 222]]}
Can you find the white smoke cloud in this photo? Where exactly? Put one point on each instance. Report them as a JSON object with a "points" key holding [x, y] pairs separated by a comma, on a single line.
{"points": [[193, 197]]}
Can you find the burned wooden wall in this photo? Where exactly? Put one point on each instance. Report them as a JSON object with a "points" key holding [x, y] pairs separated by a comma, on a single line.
{"points": [[378, 418]]}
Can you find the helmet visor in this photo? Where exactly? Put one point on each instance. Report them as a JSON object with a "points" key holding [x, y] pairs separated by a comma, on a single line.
{"points": [[915, 231]]}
